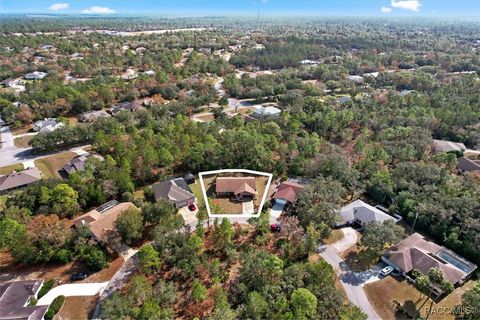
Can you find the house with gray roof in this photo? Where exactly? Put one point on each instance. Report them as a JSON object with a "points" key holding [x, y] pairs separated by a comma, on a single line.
{"points": [[19, 179], [36, 75], [93, 115], [15, 298], [361, 213], [126, 106], [176, 191], [47, 125], [448, 146], [77, 164], [468, 165], [265, 112], [10, 82]]}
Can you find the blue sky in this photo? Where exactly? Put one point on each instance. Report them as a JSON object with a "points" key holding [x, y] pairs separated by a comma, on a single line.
{"points": [[462, 8]]}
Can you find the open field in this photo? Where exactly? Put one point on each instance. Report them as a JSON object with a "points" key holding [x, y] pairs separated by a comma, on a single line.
{"points": [[9, 169], [23, 142], [49, 166], [385, 293]]}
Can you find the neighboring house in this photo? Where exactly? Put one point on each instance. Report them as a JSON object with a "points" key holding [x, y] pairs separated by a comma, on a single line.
{"points": [[287, 192], [176, 191], [15, 298], [47, 47], [344, 100], [47, 125], [78, 164], [36, 75], [93, 115], [242, 188], [417, 253], [265, 112], [189, 178], [448, 146], [10, 82], [467, 165], [361, 213], [126, 106], [19, 179], [149, 72], [357, 79], [101, 221]]}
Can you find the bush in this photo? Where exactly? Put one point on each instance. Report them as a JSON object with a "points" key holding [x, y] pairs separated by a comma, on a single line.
{"points": [[56, 305], [47, 286], [63, 256], [95, 259]]}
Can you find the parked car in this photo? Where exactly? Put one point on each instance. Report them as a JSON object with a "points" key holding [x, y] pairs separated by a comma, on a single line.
{"points": [[78, 276], [192, 207], [275, 227], [386, 271]]}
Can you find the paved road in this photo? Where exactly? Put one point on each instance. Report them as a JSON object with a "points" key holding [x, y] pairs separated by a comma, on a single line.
{"points": [[72, 290], [352, 284]]}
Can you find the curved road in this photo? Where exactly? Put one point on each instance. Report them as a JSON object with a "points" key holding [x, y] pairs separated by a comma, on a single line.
{"points": [[352, 285]]}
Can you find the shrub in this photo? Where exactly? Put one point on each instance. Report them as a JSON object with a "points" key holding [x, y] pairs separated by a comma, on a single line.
{"points": [[63, 256], [55, 306], [95, 259], [47, 286]]}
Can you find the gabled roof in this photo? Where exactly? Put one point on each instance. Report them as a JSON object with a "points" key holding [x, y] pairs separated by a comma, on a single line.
{"points": [[288, 190], [266, 111], [245, 188], [232, 184], [18, 179], [15, 295], [76, 164], [417, 253], [365, 213]]}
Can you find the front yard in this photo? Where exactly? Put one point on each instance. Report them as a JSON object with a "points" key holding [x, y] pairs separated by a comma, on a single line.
{"points": [[23, 142], [386, 293], [49, 166], [9, 169]]}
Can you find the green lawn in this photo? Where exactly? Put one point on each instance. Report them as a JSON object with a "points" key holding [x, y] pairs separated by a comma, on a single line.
{"points": [[23, 142], [49, 166], [9, 169]]}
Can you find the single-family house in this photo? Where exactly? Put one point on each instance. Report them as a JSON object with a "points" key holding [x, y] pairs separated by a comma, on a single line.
{"points": [[417, 253], [448, 146], [47, 47], [126, 106], [36, 75], [93, 115], [20, 179], [265, 112], [361, 213], [10, 82], [356, 78], [47, 125], [149, 72], [176, 191], [101, 221], [468, 165], [78, 164], [15, 298], [287, 192], [241, 188]]}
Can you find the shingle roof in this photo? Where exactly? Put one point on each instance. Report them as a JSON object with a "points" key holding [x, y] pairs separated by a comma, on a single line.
{"points": [[415, 252], [19, 179], [359, 210], [465, 164], [13, 297], [448, 146], [232, 184], [174, 190], [76, 164], [288, 190]]}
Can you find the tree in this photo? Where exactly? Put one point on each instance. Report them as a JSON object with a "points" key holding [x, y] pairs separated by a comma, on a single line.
{"points": [[471, 303], [199, 292], [378, 237], [95, 259], [304, 304], [148, 260], [63, 200], [130, 225], [152, 213]]}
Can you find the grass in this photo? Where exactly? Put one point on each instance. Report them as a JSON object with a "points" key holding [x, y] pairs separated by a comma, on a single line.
{"points": [[386, 293], [78, 308], [49, 166], [206, 117], [227, 206], [23, 142], [260, 183], [335, 236], [11, 168], [21, 130], [3, 201]]}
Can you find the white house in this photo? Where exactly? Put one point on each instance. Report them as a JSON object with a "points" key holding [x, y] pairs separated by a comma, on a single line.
{"points": [[36, 75], [47, 125], [263, 112], [359, 212]]}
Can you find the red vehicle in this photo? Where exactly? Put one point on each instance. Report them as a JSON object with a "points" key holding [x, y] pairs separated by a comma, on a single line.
{"points": [[192, 207], [275, 227]]}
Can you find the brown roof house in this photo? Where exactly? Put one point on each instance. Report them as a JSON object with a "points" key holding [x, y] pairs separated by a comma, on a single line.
{"points": [[287, 192], [93, 115], [101, 221], [126, 106], [241, 188], [19, 179], [417, 253], [176, 191], [15, 298]]}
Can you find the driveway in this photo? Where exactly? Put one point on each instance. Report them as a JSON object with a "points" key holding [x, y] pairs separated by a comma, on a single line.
{"points": [[248, 207], [276, 212], [351, 282], [72, 290]]}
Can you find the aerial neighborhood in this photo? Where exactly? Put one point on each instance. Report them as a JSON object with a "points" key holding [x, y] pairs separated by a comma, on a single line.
{"points": [[251, 167]]}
